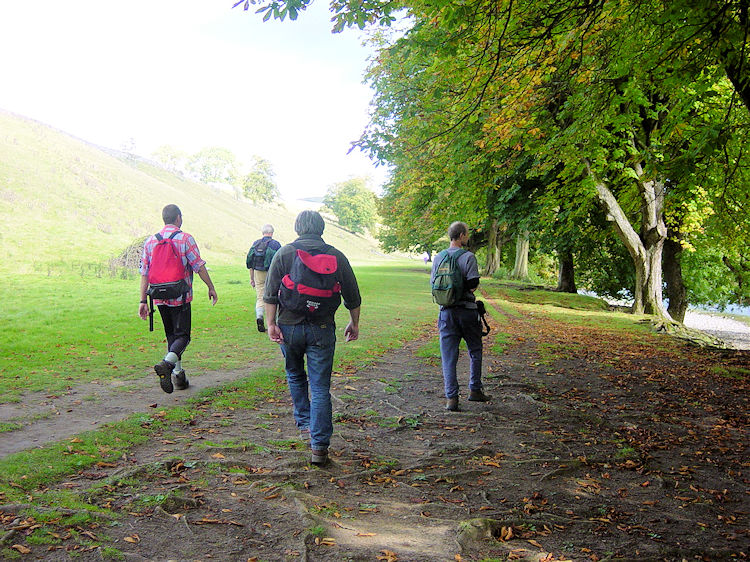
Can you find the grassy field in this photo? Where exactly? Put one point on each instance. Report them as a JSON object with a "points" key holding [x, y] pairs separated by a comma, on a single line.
{"points": [[67, 207], [58, 335], [66, 329]]}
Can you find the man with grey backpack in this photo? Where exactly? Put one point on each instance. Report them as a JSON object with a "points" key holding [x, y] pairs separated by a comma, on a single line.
{"points": [[258, 261], [454, 279]]}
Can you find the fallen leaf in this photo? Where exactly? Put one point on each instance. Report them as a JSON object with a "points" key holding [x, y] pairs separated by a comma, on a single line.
{"points": [[22, 549], [218, 456], [134, 539], [365, 534]]}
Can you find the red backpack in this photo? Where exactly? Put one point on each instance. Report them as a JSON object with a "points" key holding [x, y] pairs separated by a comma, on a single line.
{"points": [[310, 289], [166, 274]]}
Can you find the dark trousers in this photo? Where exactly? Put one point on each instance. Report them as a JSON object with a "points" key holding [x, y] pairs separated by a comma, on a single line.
{"points": [[454, 324], [176, 320]]}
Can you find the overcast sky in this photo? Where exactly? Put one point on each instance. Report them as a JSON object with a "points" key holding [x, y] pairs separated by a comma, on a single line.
{"points": [[192, 74]]}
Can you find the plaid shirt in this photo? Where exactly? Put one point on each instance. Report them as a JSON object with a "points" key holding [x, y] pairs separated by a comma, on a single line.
{"points": [[189, 253]]}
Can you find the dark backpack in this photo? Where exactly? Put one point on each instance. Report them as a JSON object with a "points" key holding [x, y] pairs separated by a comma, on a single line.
{"points": [[448, 282], [310, 289], [260, 255], [166, 274]]}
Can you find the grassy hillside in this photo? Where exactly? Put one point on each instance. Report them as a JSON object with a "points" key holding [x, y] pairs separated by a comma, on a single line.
{"points": [[67, 205]]}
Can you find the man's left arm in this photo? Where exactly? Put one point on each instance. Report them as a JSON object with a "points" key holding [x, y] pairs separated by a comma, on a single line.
{"points": [[472, 273], [352, 298], [203, 274]]}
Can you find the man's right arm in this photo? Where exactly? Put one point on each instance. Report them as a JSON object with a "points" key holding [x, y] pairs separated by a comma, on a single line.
{"points": [[143, 306], [271, 296]]}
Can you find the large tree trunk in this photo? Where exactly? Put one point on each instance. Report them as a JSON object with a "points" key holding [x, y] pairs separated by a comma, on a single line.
{"points": [[566, 280], [676, 290], [493, 257], [521, 269], [646, 249]]}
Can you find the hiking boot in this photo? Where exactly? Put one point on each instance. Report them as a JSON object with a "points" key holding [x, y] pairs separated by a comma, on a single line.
{"points": [[319, 457], [164, 372], [261, 326], [452, 404], [479, 396], [181, 381]]}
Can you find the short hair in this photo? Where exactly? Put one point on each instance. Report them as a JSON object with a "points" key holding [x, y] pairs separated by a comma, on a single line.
{"points": [[170, 214], [309, 222], [267, 229], [456, 229]]}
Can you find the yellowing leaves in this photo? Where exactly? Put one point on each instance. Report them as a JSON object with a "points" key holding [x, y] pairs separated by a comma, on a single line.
{"points": [[325, 541]]}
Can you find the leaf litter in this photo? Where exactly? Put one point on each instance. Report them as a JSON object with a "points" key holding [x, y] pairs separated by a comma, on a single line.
{"points": [[614, 447]]}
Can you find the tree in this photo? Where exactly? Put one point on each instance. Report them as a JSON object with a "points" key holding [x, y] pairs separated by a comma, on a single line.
{"points": [[214, 164], [259, 185], [353, 204], [637, 103], [171, 158]]}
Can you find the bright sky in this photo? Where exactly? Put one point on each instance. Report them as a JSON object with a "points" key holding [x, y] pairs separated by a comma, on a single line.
{"points": [[192, 74]]}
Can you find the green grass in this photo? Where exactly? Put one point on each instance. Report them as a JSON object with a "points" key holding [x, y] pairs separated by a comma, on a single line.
{"points": [[68, 337], [90, 342], [522, 295], [74, 338]]}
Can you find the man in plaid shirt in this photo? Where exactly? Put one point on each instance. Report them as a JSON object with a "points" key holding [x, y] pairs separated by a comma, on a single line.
{"points": [[175, 313]]}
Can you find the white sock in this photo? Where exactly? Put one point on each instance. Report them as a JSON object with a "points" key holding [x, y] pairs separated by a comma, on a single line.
{"points": [[177, 367], [171, 357]]}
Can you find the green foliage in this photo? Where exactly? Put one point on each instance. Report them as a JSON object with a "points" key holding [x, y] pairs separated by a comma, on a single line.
{"points": [[259, 185], [353, 204], [596, 96], [214, 164], [171, 158]]}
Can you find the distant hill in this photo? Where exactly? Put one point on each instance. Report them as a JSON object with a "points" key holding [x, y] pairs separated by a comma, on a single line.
{"points": [[66, 203]]}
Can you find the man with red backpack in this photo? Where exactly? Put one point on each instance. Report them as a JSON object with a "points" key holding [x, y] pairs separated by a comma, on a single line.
{"points": [[167, 264], [305, 284]]}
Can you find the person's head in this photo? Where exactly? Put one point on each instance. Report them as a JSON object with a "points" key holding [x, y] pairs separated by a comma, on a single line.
{"points": [[309, 222], [171, 214], [458, 229], [267, 230]]}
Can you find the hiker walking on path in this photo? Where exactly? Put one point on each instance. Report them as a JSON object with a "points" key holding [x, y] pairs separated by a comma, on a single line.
{"points": [[304, 285], [169, 259], [258, 261], [454, 278]]}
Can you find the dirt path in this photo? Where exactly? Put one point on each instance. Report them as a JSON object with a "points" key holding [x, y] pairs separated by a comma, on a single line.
{"points": [[592, 448], [44, 418]]}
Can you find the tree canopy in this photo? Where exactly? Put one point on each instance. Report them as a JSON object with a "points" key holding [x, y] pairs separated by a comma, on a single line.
{"points": [[353, 204], [259, 184], [556, 118]]}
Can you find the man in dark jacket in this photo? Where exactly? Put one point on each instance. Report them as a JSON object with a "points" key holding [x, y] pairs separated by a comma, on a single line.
{"points": [[301, 336], [258, 260]]}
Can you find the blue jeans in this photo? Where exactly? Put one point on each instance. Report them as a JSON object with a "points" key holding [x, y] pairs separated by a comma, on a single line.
{"points": [[311, 409], [453, 324]]}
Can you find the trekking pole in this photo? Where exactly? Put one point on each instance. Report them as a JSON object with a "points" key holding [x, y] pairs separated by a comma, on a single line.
{"points": [[150, 313]]}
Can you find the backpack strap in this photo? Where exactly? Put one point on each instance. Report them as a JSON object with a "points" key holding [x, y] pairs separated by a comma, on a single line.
{"points": [[159, 237], [326, 247]]}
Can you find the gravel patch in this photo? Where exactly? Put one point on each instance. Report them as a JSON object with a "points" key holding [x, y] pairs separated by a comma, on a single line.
{"points": [[734, 333]]}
